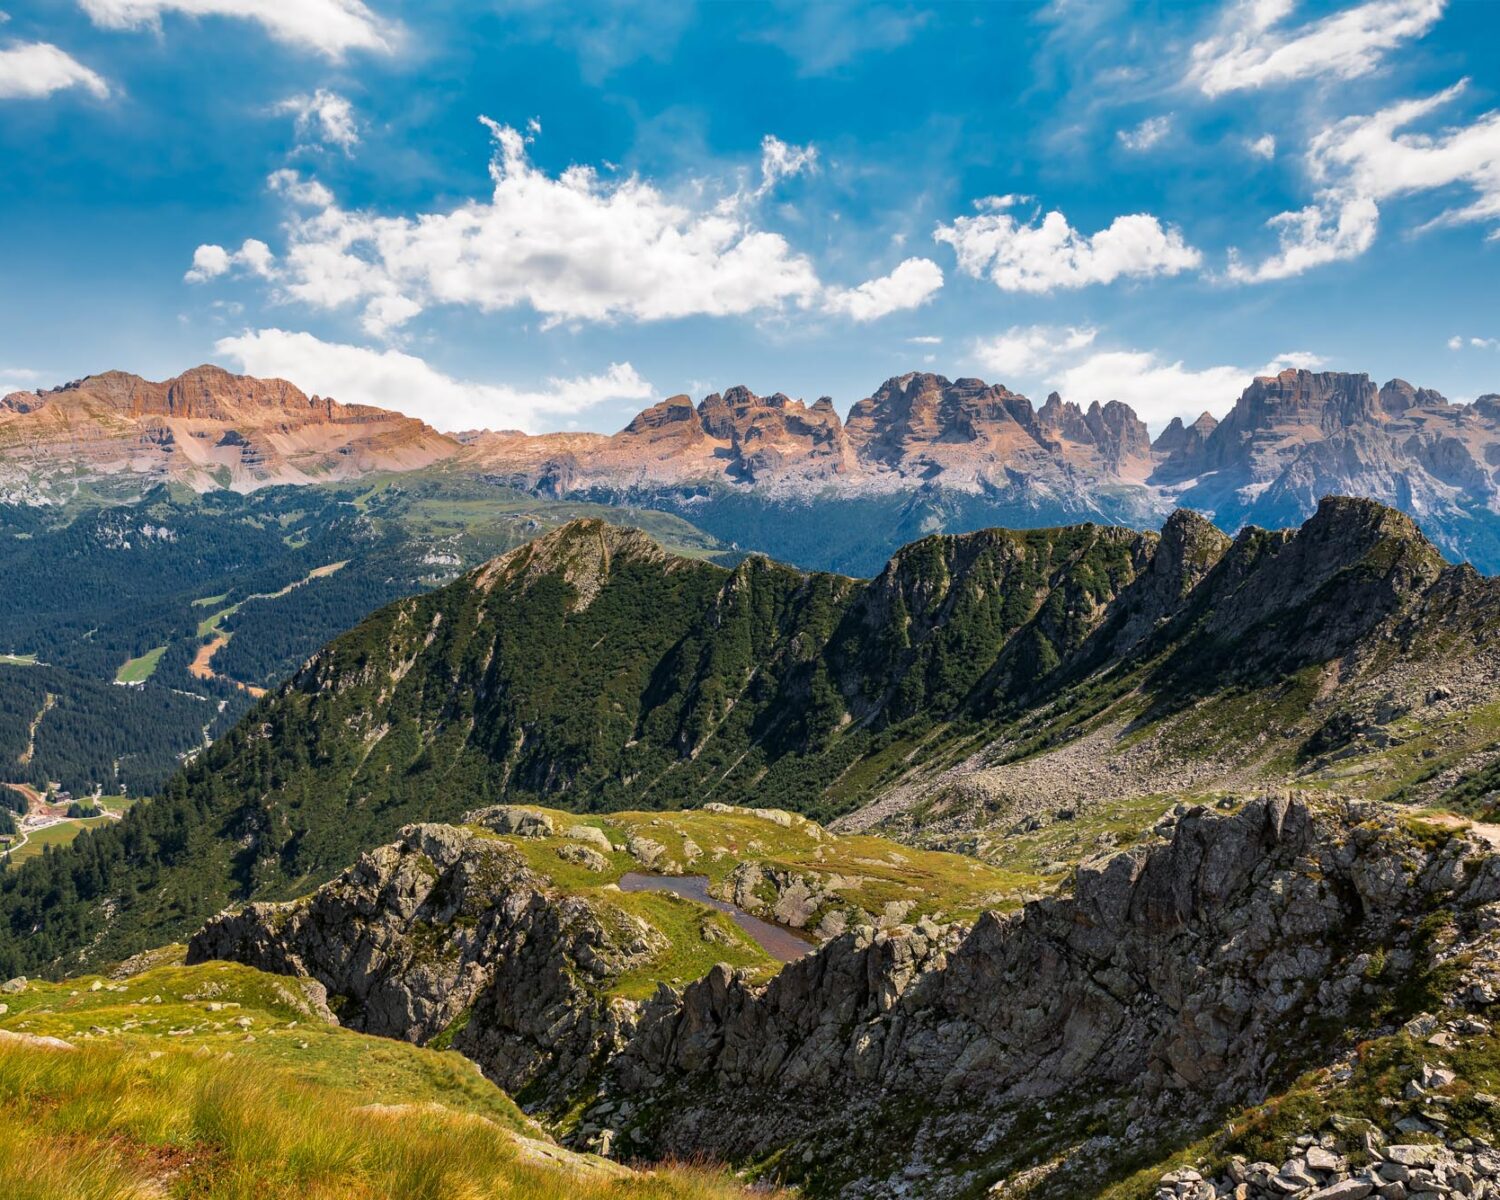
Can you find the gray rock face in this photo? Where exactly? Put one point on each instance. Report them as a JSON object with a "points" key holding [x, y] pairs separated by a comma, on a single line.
{"points": [[508, 818], [1180, 979], [1176, 979], [444, 922]]}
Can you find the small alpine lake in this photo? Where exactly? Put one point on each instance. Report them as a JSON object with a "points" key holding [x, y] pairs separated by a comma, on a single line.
{"points": [[779, 942]]}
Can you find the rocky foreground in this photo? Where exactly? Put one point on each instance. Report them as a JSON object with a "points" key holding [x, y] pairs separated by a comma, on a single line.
{"points": [[1036, 1053]]}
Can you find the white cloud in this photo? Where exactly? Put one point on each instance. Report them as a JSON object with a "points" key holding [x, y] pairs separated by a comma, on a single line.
{"points": [[1250, 50], [1263, 146], [35, 70], [912, 283], [780, 160], [1362, 161], [1301, 360], [1029, 257], [1031, 351], [574, 247], [1329, 231], [1158, 390], [1455, 343], [328, 27], [391, 379], [1477, 343], [323, 116], [210, 261], [926, 339], [18, 379], [1369, 156], [1148, 133]]}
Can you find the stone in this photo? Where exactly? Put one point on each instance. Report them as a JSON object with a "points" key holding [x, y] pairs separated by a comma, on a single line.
{"points": [[592, 835], [511, 819], [1412, 1155], [1346, 1189], [645, 851], [583, 856], [14, 987]]}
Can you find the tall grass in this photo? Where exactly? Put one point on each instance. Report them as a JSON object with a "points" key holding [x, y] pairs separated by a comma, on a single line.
{"points": [[103, 1122]]}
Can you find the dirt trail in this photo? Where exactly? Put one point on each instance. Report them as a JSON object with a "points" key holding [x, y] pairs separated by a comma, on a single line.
{"points": [[202, 666], [30, 752]]}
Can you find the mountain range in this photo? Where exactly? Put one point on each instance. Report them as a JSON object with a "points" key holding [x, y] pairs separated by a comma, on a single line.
{"points": [[793, 480]]}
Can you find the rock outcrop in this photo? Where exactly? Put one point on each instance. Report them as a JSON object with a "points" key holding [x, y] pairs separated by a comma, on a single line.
{"points": [[1295, 437], [1178, 980], [449, 931]]}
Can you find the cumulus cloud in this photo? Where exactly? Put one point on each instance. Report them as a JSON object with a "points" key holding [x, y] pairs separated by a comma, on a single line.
{"points": [[1029, 351], [324, 116], [911, 284], [780, 160], [574, 247], [210, 261], [392, 379], [1051, 255], [1251, 49], [1148, 133], [1477, 343], [1156, 388], [328, 27], [35, 70]]}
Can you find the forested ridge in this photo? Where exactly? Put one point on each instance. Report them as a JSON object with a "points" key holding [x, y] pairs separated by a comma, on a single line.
{"points": [[95, 590]]}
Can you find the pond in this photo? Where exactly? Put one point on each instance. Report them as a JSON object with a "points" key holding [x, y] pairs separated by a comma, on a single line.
{"points": [[779, 942]]}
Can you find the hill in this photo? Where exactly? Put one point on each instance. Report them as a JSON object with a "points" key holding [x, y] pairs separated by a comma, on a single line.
{"points": [[591, 669], [205, 1081], [206, 429]]}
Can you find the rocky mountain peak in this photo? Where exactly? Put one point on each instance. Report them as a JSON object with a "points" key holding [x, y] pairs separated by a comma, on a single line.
{"points": [[1398, 396], [583, 553]]}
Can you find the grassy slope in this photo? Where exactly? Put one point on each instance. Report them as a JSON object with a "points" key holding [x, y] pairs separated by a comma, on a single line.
{"points": [[870, 875], [138, 670], [167, 1096]]}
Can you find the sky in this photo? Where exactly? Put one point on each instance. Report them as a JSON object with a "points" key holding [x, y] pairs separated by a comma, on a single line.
{"points": [[546, 215]]}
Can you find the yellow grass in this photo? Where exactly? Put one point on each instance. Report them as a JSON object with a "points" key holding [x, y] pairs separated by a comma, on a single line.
{"points": [[107, 1121]]}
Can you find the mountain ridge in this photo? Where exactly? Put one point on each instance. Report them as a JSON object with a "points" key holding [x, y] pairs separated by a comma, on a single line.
{"points": [[207, 428], [592, 669]]}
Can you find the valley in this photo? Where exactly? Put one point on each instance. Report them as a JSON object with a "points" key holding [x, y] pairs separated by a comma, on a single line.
{"points": [[1052, 861]]}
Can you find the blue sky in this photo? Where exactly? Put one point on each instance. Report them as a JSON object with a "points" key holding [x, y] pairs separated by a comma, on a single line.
{"points": [[545, 215]]}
